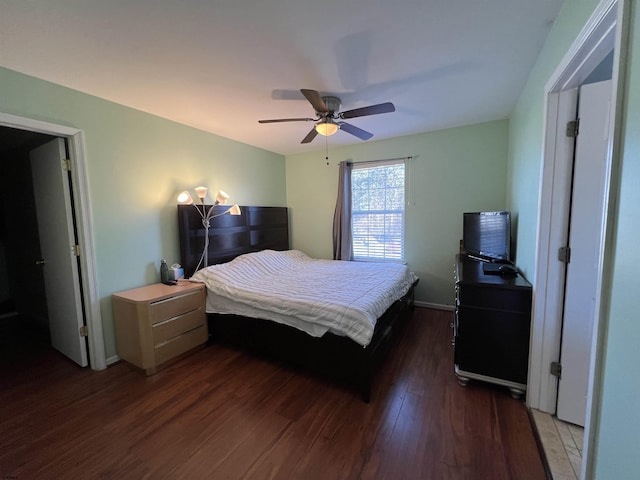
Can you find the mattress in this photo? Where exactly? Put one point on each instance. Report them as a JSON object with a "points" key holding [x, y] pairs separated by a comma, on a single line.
{"points": [[313, 295]]}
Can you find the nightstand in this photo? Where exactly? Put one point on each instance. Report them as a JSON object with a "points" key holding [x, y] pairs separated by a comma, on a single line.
{"points": [[157, 324]]}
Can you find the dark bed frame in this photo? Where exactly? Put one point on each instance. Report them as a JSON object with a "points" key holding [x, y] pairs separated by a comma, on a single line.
{"points": [[260, 228]]}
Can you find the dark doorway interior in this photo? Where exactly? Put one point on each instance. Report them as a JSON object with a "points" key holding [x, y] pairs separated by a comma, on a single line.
{"points": [[23, 305]]}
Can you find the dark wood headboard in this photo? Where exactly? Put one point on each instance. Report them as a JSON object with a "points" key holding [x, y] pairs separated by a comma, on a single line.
{"points": [[258, 228]]}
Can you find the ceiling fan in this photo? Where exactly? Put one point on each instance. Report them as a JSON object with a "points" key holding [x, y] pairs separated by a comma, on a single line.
{"points": [[329, 118]]}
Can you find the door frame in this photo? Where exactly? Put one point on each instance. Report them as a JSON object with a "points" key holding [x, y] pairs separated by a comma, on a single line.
{"points": [[79, 178], [606, 30]]}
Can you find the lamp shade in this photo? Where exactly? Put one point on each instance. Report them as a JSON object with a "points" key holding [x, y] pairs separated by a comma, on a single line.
{"points": [[221, 196], [235, 210], [201, 192], [185, 198], [327, 128]]}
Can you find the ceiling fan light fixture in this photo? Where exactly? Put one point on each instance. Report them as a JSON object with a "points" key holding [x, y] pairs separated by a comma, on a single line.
{"points": [[327, 110], [327, 128]]}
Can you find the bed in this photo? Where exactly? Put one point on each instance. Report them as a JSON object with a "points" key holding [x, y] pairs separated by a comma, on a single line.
{"points": [[290, 319]]}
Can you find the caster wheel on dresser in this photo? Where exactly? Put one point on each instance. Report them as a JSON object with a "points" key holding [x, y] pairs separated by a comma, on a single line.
{"points": [[462, 381], [516, 393]]}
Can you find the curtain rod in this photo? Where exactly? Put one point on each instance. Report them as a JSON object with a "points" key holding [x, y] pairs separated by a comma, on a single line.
{"points": [[383, 160]]}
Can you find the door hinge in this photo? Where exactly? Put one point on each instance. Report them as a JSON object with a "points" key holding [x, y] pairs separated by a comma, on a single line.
{"points": [[556, 369], [564, 254], [84, 331], [66, 164], [75, 249], [572, 128]]}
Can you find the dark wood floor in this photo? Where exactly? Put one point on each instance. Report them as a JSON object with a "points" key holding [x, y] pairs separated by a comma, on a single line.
{"points": [[223, 414]]}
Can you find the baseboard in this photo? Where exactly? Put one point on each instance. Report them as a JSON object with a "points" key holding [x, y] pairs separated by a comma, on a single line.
{"points": [[435, 306], [112, 360]]}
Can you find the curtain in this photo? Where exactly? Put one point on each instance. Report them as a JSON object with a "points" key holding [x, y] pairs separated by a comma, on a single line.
{"points": [[342, 248]]}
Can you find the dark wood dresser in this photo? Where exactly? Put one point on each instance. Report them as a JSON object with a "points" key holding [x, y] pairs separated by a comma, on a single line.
{"points": [[491, 326]]}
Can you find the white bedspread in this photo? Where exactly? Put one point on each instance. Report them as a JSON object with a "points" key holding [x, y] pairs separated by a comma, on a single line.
{"points": [[310, 294]]}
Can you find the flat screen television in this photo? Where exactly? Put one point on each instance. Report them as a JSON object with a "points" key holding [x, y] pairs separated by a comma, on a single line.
{"points": [[487, 235]]}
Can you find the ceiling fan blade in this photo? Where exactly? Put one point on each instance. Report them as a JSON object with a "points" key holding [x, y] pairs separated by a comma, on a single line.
{"points": [[370, 110], [310, 136], [279, 120], [353, 130], [315, 100]]}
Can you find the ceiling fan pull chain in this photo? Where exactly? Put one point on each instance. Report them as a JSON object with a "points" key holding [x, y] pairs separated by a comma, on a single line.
{"points": [[326, 149]]}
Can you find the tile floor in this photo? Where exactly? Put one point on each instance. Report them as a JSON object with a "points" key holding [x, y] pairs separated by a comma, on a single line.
{"points": [[562, 444]]}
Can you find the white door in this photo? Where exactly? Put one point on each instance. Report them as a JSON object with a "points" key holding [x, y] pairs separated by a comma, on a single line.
{"points": [[585, 241], [57, 240]]}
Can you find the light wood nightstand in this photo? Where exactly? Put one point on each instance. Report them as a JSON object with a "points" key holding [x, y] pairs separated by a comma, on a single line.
{"points": [[155, 325]]}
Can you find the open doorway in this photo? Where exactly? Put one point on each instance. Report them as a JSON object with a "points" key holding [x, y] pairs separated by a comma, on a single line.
{"points": [[40, 245], [86, 260], [603, 35], [24, 325]]}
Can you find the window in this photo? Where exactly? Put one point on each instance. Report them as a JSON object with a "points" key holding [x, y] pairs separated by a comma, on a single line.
{"points": [[377, 192]]}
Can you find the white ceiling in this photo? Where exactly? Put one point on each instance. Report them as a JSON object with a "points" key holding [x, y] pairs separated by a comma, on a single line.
{"points": [[221, 65]]}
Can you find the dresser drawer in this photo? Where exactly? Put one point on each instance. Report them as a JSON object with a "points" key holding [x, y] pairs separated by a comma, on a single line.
{"points": [[174, 306], [180, 344], [495, 298], [163, 331]]}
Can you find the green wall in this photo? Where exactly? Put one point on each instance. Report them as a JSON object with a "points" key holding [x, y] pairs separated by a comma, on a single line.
{"points": [[137, 164], [452, 171], [617, 423], [616, 455], [526, 129]]}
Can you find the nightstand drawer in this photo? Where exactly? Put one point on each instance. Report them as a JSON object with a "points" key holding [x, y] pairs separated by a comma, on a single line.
{"points": [[174, 306], [168, 329], [180, 344]]}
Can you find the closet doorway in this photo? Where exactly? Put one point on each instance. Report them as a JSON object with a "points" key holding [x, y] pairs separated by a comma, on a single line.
{"points": [[606, 31], [22, 269]]}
